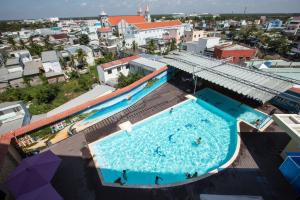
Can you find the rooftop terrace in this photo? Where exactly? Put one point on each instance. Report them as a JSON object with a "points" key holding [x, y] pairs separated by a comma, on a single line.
{"points": [[255, 172]]}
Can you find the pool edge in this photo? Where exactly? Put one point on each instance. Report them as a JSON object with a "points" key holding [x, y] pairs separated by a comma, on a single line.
{"points": [[187, 181]]}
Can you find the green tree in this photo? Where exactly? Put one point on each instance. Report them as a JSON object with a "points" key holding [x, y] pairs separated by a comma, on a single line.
{"points": [[124, 81], [47, 44], [46, 94], [22, 44], [123, 44], [81, 58], [134, 46], [35, 49], [151, 47], [84, 39], [12, 42], [173, 45]]}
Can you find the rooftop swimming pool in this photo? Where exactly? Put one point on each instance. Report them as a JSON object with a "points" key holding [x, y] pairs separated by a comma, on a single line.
{"points": [[192, 138]]}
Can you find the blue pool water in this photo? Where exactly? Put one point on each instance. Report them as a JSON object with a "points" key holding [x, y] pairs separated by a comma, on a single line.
{"points": [[232, 107], [164, 145]]}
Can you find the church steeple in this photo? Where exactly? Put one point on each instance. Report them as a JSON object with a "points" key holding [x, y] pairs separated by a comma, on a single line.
{"points": [[139, 11], [147, 13]]}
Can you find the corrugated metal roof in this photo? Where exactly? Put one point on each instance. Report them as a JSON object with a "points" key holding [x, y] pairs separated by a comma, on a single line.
{"points": [[49, 56], [254, 84]]}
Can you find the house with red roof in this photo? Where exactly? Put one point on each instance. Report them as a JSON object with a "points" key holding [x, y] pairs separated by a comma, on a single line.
{"points": [[142, 32]]}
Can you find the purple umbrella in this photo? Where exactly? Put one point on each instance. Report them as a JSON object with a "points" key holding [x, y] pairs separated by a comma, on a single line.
{"points": [[32, 173], [46, 192]]}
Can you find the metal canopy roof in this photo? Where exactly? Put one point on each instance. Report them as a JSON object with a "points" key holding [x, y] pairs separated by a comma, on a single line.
{"points": [[258, 85]]}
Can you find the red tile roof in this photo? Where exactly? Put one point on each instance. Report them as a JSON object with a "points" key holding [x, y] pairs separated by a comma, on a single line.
{"points": [[131, 19], [151, 25], [119, 62], [295, 89], [60, 36], [6, 137], [104, 29]]}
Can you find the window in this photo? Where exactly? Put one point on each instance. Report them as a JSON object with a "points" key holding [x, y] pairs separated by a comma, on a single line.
{"points": [[109, 71], [118, 69]]}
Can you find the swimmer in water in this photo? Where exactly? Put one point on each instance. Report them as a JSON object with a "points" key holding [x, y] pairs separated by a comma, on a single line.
{"points": [[157, 178], [198, 141], [124, 175], [171, 110], [170, 138]]}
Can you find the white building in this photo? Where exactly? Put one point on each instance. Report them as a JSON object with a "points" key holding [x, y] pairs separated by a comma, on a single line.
{"points": [[72, 50], [293, 26], [50, 61], [13, 115], [142, 32], [202, 44], [109, 72], [23, 55]]}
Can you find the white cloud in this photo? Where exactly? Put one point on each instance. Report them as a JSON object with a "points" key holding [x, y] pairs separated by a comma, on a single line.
{"points": [[83, 4]]}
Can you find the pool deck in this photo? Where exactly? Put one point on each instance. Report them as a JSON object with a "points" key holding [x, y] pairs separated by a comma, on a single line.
{"points": [[255, 172]]}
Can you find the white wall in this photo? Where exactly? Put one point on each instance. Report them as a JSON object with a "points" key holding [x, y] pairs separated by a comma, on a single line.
{"points": [[105, 76]]}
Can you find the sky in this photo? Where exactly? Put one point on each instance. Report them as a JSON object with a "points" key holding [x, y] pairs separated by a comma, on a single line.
{"points": [[32, 9]]}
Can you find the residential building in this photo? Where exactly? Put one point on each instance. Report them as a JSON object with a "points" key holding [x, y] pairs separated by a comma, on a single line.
{"points": [[52, 67], [203, 45], [25, 34], [104, 33], [109, 72], [32, 71], [12, 74], [72, 50], [274, 24], [293, 26], [13, 115], [151, 30], [13, 65], [24, 55], [235, 53], [193, 35], [59, 38]]}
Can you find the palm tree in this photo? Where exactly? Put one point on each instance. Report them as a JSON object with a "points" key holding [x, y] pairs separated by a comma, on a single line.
{"points": [[173, 45], [151, 47], [81, 57], [48, 46], [22, 43], [134, 46], [12, 42]]}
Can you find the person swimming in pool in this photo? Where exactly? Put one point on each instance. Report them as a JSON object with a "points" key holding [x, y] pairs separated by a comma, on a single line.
{"points": [[171, 110], [119, 181], [257, 122], [171, 137], [198, 141], [124, 175], [188, 175], [157, 178], [195, 174], [159, 152]]}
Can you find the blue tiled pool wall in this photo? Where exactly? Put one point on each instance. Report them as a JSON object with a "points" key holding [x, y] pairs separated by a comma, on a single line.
{"points": [[125, 100]]}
